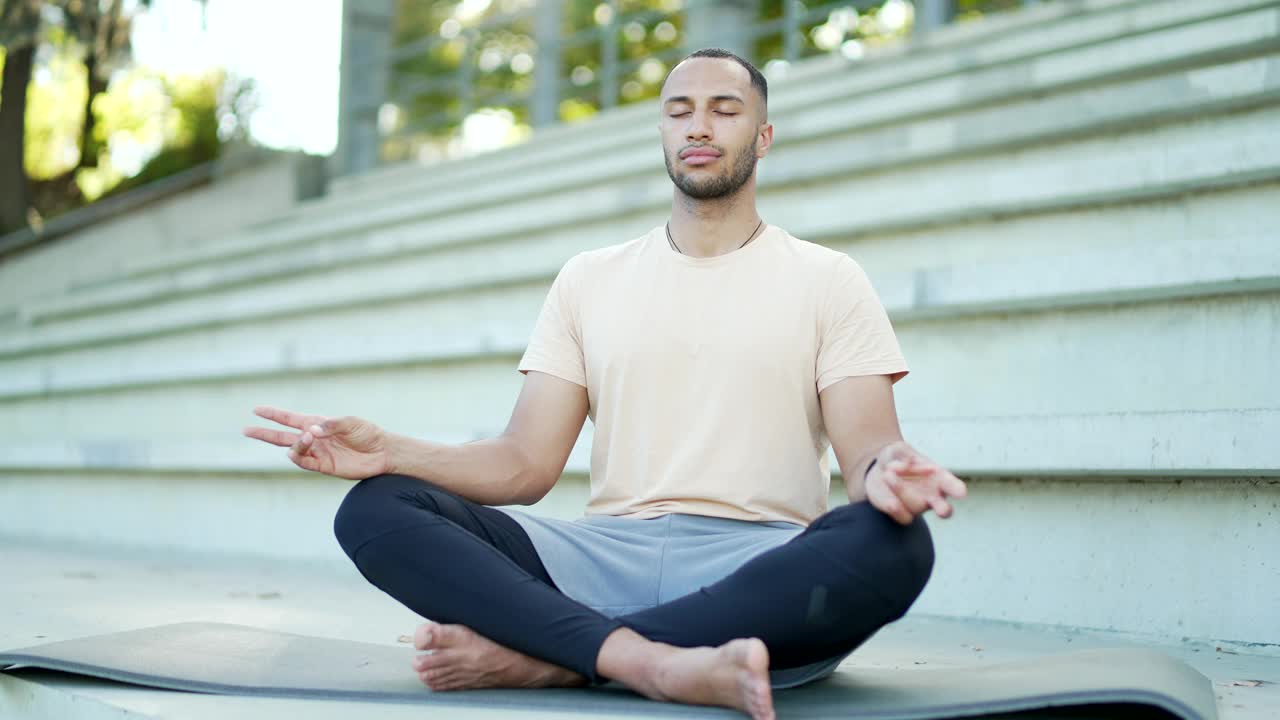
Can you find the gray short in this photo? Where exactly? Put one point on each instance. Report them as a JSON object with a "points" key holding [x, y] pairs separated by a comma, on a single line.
{"points": [[618, 565]]}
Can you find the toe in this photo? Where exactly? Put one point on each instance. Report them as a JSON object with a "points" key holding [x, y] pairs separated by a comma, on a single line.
{"points": [[444, 636], [439, 680], [425, 661], [423, 636], [436, 660]]}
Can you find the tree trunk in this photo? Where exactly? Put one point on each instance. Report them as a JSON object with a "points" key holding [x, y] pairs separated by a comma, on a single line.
{"points": [[88, 146], [13, 113]]}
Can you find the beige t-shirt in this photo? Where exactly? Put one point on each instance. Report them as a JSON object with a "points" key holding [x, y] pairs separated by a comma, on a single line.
{"points": [[703, 374]]}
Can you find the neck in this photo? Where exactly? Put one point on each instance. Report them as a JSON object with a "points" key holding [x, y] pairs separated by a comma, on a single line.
{"points": [[706, 228]]}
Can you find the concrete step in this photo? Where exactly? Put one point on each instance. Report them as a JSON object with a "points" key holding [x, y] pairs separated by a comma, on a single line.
{"points": [[1022, 38], [999, 37], [496, 321], [1073, 229], [993, 547], [1194, 93], [1201, 153], [1250, 32], [1158, 445]]}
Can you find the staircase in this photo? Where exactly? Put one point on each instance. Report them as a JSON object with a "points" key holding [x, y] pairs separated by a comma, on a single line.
{"points": [[1072, 214]]}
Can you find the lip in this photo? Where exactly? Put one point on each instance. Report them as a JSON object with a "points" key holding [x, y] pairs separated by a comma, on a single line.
{"points": [[699, 156]]}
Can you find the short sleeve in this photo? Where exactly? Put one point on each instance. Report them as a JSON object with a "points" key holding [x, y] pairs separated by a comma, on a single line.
{"points": [[556, 344], [856, 337]]}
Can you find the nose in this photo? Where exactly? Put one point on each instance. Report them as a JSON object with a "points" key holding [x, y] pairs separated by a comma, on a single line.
{"points": [[699, 130]]}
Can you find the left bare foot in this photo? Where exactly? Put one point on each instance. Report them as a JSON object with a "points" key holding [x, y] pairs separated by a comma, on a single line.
{"points": [[463, 659]]}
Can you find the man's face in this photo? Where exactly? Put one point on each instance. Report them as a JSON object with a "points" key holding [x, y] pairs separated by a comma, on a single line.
{"points": [[712, 127]]}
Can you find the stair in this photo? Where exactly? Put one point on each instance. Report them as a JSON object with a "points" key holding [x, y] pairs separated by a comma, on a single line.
{"points": [[1071, 214]]}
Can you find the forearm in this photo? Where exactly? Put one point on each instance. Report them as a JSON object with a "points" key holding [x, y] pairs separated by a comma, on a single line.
{"points": [[855, 478], [492, 471]]}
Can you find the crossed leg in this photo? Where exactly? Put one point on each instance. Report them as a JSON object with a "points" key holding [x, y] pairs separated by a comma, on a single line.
{"points": [[501, 620]]}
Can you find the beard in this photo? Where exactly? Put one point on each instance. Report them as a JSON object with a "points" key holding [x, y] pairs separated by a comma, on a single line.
{"points": [[716, 186]]}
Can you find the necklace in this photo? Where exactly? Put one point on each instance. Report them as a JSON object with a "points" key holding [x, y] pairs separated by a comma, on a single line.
{"points": [[744, 242]]}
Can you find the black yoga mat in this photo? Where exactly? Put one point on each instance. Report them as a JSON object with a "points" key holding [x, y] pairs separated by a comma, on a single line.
{"points": [[239, 660]]}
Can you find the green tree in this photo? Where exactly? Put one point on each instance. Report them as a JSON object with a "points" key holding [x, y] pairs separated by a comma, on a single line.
{"points": [[19, 30], [439, 41], [97, 33], [51, 160]]}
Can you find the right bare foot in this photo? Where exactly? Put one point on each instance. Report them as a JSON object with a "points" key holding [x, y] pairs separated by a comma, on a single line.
{"points": [[734, 675]]}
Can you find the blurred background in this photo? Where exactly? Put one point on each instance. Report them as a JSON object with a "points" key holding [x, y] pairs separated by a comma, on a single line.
{"points": [[1069, 208]]}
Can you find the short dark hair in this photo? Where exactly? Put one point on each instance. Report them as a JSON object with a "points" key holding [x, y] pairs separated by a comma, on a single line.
{"points": [[757, 78]]}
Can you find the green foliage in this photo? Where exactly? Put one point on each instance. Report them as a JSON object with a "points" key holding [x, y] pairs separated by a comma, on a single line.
{"points": [[191, 127], [171, 121], [973, 9], [144, 126], [19, 22], [440, 41], [147, 126]]}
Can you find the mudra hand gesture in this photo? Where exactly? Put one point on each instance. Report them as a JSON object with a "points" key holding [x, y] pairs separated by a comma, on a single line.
{"points": [[345, 447], [903, 483]]}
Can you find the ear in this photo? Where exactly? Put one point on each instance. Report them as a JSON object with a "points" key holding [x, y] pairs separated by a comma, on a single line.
{"points": [[765, 140]]}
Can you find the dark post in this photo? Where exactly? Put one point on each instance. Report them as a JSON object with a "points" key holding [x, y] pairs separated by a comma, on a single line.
{"points": [[933, 14], [720, 23], [362, 83], [545, 109]]}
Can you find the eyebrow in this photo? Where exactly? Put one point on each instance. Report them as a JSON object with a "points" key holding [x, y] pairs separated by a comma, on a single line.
{"points": [[714, 98]]}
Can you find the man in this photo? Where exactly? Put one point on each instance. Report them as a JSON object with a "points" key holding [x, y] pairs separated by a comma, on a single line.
{"points": [[718, 357]]}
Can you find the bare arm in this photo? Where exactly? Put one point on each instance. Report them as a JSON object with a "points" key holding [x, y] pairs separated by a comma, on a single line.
{"points": [[860, 418], [517, 467], [521, 465], [862, 423]]}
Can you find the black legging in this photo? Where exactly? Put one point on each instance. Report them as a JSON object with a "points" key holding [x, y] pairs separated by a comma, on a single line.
{"points": [[820, 595]]}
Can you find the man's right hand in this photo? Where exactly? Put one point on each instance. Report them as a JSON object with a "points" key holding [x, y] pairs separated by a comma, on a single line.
{"points": [[345, 447]]}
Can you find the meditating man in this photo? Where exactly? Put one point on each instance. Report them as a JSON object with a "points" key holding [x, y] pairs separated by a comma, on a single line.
{"points": [[718, 358]]}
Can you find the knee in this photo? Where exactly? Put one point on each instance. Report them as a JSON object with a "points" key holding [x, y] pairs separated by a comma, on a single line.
{"points": [[897, 558], [371, 506]]}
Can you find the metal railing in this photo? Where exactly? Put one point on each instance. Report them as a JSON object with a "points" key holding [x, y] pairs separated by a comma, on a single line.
{"points": [[426, 108]]}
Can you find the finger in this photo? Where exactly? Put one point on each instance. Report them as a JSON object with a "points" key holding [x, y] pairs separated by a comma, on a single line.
{"points": [[953, 486], [940, 506], [284, 417], [306, 462], [913, 492], [913, 499], [913, 466], [337, 425], [903, 494], [894, 508], [303, 445], [275, 437], [330, 426]]}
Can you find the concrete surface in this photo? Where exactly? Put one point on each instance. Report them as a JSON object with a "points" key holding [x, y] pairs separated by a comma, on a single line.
{"points": [[57, 592]]}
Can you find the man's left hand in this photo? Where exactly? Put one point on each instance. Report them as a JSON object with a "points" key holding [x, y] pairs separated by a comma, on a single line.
{"points": [[905, 483]]}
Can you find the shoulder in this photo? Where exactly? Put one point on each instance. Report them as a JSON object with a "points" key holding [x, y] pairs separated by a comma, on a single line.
{"points": [[819, 261], [605, 260], [613, 254]]}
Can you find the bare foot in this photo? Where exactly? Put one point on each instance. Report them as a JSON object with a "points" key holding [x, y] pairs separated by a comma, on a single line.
{"points": [[734, 675], [463, 659]]}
